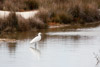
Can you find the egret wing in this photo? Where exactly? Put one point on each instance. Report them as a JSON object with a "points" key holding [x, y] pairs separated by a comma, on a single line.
{"points": [[36, 39]]}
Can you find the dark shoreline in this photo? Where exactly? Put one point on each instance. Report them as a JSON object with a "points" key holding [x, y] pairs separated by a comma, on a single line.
{"points": [[86, 25]]}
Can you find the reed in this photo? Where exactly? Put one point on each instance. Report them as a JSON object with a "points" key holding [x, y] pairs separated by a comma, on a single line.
{"points": [[17, 23]]}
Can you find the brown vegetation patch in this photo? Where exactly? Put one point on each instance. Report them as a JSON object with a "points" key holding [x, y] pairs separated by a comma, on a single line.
{"points": [[17, 23]]}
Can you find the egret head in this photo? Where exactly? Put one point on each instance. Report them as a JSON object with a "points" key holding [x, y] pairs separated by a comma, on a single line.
{"points": [[39, 33]]}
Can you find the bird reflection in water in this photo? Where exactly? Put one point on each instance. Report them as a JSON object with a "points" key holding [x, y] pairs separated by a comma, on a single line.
{"points": [[35, 49], [36, 52]]}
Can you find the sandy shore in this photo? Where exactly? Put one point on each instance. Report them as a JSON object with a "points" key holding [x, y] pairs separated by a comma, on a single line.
{"points": [[25, 15]]}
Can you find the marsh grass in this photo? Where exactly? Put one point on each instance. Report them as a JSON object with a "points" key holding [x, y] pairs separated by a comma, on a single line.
{"points": [[59, 11], [68, 11], [17, 23], [18, 5], [64, 11]]}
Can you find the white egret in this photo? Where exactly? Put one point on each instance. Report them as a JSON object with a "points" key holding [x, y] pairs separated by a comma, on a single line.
{"points": [[36, 39]]}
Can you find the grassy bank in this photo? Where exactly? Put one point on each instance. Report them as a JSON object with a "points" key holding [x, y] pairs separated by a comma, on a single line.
{"points": [[14, 23], [18, 5], [72, 11], [50, 11]]}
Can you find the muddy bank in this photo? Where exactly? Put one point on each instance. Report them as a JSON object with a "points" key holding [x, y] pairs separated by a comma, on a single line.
{"points": [[77, 25]]}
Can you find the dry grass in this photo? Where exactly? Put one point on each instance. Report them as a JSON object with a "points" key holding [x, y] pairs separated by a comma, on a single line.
{"points": [[60, 11], [17, 23], [19, 5], [88, 12], [9, 23], [43, 15], [68, 11]]}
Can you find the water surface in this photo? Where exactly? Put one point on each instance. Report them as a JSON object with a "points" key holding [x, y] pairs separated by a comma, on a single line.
{"points": [[58, 48]]}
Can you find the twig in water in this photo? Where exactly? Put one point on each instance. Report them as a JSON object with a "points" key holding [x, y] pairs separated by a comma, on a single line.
{"points": [[97, 58]]}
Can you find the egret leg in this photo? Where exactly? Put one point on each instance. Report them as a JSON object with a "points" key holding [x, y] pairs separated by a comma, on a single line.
{"points": [[35, 45]]}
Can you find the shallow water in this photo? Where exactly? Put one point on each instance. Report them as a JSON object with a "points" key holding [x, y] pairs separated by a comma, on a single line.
{"points": [[58, 48]]}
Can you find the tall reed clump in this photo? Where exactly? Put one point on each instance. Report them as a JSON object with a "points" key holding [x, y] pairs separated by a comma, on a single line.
{"points": [[36, 23], [17, 23], [19, 5], [2, 24], [60, 11], [84, 12], [30, 24], [56, 11], [32, 4], [43, 15], [61, 17], [9, 23], [69, 11]]}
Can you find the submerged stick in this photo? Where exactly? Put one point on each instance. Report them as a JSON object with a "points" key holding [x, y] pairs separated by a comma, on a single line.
{"points": [[97, 58]]}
